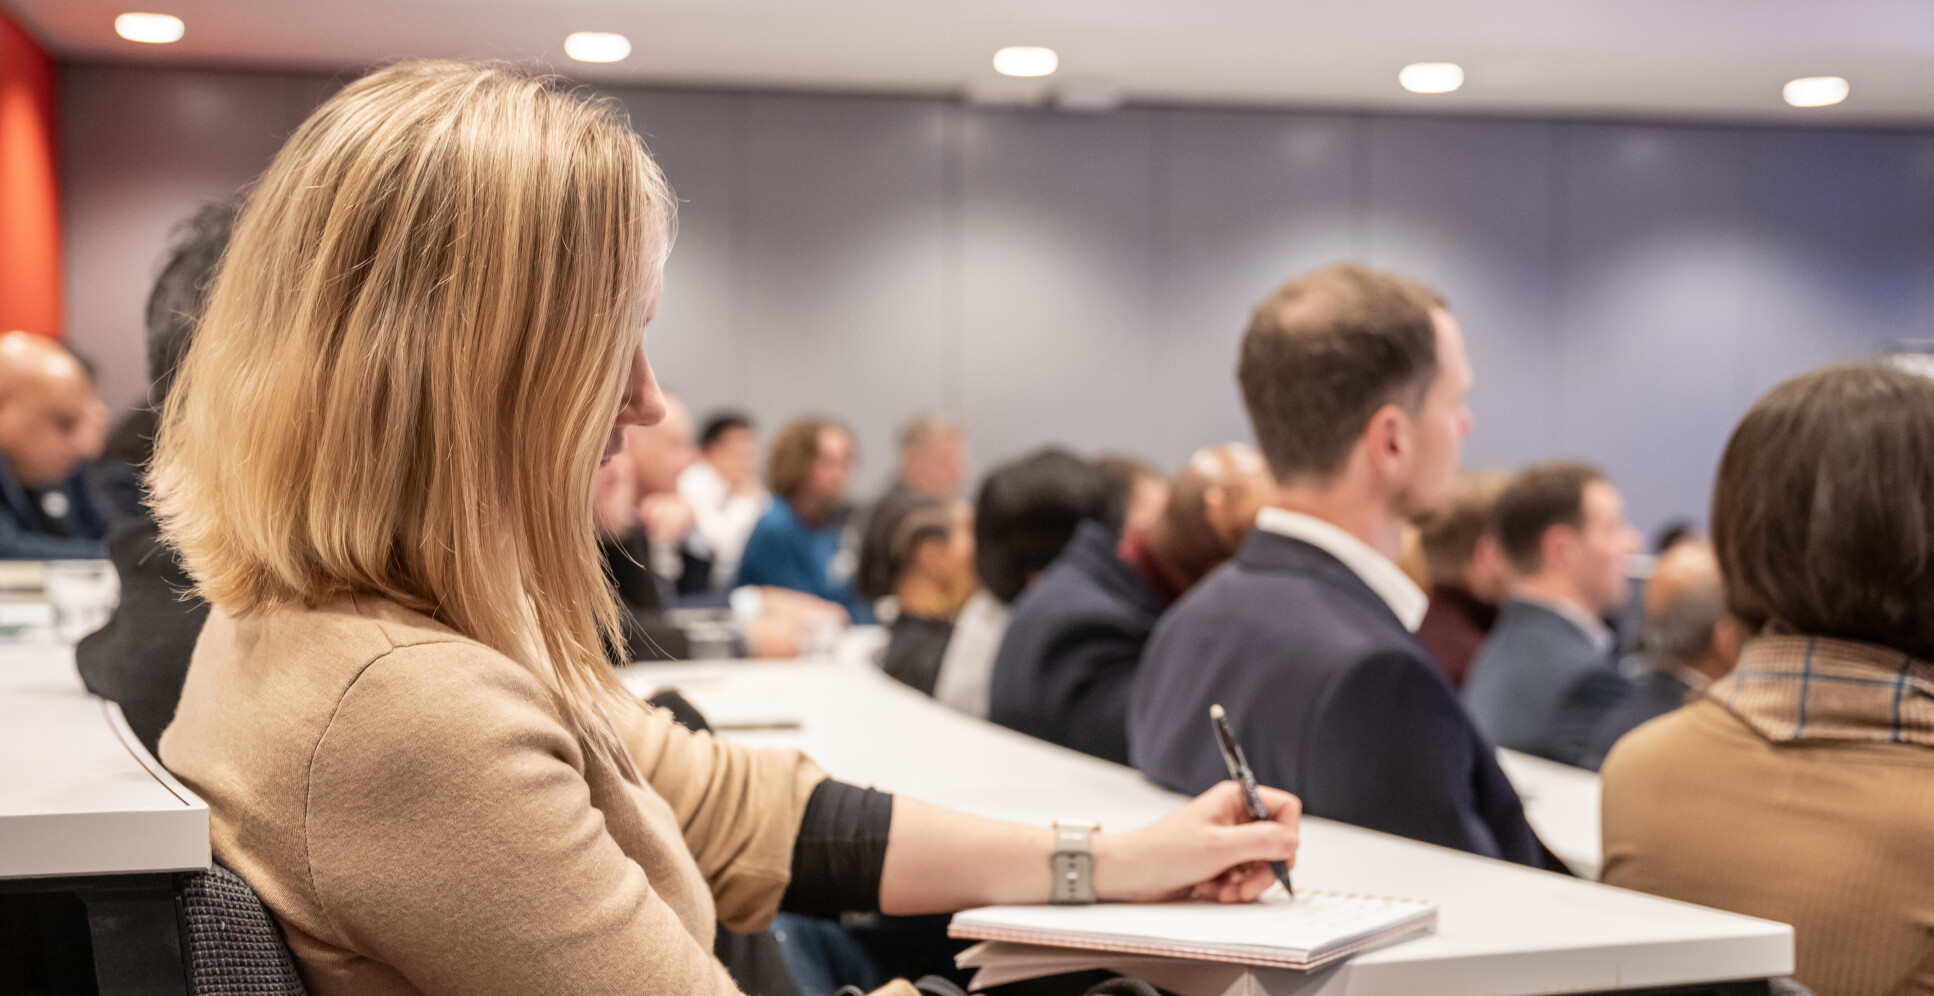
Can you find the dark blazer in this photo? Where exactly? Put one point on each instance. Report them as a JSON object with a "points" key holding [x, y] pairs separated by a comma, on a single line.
{"points": [[914, 648], [29, 532], [1072, 644], [140, 658], [1539, 686], [648, 632], [1659, 692], [1331, 698]]}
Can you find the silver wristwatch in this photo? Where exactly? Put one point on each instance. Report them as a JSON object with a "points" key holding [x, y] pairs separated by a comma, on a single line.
{"points": [[1073, 862]]}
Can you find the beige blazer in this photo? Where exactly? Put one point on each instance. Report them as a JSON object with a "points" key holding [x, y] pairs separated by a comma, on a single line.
{"points": [[412, 807]]}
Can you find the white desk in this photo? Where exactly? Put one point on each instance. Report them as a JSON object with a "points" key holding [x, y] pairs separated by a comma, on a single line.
{"points": [[79, 796], [1561, 802], [1502, 929]]}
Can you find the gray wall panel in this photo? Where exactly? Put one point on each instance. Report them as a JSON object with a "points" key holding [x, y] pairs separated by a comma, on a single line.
{"points": [[1058, 281], [842, 276], [1248, 201], [1465, 206], [1656, 256]]}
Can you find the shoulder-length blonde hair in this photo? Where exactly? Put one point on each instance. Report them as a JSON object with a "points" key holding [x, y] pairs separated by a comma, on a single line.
{"points": [[412, 359]]}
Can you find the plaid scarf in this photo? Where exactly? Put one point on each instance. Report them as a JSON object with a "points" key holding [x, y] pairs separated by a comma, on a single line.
{"points": [[1817, 688]]}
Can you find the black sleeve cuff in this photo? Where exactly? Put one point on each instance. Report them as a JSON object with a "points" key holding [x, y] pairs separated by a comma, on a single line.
{"points": [[841, 850]]}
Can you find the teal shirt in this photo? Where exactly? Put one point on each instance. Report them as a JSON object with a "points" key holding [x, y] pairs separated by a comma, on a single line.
{"points": [[784, 553]]}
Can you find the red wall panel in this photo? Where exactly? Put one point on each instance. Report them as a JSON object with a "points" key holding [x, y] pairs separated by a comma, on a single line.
{"points": [[29, 189]]}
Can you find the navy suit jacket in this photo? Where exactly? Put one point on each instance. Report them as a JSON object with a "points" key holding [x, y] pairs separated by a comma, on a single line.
{"points": [[1654, 695], [1539, 686], [1332, 699], [1072, 643], [27, 532]]}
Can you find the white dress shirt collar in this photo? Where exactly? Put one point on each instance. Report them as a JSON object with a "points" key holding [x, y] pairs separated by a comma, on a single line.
{"points": [[1376, 570]]}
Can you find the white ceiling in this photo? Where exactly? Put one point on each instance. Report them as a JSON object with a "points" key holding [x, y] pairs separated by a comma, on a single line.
{"points": [[1723, 59]]}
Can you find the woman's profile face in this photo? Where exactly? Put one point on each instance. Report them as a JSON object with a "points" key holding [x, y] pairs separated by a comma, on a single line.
{"points": [[643, 404]]}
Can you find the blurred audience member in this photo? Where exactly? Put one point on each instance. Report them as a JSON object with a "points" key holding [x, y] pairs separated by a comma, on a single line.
{"points": [[1468, 574], [1548, 673], [47, 409], [1355, 384], [722, 487], [140, 658], [1690, 641], [1064, 669], [1800, 788], [1673, 533], [660, 454], [803, 541], [1024, 516], [933, 464], [931, 559], [1141, 491]]}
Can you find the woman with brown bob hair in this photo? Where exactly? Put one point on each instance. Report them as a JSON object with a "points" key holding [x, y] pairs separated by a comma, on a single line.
{"points": [[1801, 788], [377, 466]]}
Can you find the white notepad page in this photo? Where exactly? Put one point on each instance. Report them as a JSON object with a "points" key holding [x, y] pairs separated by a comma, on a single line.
{"points": [[1311, 930]]}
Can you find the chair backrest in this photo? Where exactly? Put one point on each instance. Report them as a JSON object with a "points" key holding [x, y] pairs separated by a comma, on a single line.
{"points": [[231, 944]]}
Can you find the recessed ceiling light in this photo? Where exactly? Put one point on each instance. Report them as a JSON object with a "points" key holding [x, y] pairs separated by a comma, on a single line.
{"points": [[1816, 91], [155, 29], [1431, 77], [597, 46], [1026, 60]]}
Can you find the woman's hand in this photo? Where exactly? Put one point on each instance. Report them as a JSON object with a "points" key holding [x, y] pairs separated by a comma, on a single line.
{"points": [[1209, 848]]}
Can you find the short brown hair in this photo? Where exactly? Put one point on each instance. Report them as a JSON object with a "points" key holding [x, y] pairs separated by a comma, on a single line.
{"points": [[1449, 537], [1323, 353], [1823, 510], [795, 450], [1541, 496]]}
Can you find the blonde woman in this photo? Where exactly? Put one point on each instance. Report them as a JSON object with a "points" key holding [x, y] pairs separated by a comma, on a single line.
{"points": [[377, 466]]}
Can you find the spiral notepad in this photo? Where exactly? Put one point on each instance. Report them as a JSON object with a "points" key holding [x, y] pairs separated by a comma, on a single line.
{"points": [[1314, 929]]}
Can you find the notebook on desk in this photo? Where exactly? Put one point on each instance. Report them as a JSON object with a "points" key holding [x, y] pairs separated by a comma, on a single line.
{"points": [[1312, 930]]}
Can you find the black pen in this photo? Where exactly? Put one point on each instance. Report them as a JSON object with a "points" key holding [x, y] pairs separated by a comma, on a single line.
{"points": [[1225, 738]]}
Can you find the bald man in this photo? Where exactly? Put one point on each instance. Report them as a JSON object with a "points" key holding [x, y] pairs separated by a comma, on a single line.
{"points": [[1076, 635], [1690, 637], [48, 416]]}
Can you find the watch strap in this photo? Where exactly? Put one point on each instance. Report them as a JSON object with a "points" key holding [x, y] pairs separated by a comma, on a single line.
{"points": [[1073, 862]]}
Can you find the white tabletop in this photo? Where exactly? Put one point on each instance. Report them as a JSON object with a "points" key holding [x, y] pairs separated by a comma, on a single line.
{"points": [[1502, 929], [79, 795], [1561, 802]]}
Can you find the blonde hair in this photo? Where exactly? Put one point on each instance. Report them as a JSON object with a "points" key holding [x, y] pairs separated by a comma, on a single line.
{"points": [[411, 362]]}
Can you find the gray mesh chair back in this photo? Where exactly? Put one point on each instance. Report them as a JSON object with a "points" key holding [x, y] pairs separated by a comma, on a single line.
{"points": [[230, 942]]}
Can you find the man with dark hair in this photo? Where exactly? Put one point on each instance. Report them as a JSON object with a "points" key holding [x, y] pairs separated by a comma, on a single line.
{"points": [[803, 542], [1548, 672], [1075, 637], [722, 487], [1024, 515], [140, 658], [1468, 574], [1800, 788], [1355, 382], [1691, 641]]}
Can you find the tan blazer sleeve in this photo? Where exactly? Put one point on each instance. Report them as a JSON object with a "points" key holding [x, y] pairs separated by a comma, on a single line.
{"points": [[458, 844], [739, 808]]}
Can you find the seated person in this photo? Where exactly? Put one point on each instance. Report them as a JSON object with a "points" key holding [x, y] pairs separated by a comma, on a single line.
{"points": [[933, 464], [399, 713], [1468, 574], [1024, 515], [804, 541], [1691, 641], [722, 487], [1801, 787], [667, 524], [140, 657], [1355, 384], [47, 428], [931, 561], [1075, 637], [1548, 673]]}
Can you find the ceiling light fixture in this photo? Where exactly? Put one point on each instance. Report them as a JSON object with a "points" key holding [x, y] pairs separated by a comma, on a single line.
{"points": [[1431, 77], [154, 29], [1816, 91], [597, 46], [1026, 60]]}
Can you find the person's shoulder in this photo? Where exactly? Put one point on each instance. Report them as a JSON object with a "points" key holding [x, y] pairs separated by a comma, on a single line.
{"points": [[1673, 740]]}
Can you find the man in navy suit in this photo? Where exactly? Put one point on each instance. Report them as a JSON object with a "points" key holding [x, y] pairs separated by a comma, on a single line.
{"points": [[1355, 385], [1547, 675], [49, 423]]}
